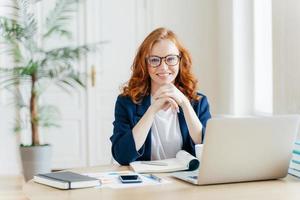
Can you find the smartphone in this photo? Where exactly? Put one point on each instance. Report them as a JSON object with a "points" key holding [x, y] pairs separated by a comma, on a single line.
{"points": [[130, 179]]}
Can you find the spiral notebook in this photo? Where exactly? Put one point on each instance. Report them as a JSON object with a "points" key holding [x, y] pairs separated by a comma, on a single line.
{"points": [[182, 161]]}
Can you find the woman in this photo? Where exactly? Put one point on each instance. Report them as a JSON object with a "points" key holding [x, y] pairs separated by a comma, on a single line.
{"points": [[159, 111]]}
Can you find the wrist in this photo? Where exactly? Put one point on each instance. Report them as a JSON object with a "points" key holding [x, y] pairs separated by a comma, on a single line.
{"points": [[152, 110], [185, 104]]}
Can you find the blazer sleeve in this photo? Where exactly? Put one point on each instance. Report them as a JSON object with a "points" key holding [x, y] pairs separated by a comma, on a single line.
{"points": [[123, 145], [203, 114]]}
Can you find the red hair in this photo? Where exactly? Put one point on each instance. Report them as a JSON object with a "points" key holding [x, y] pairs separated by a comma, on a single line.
{"points": [[139, 85]]}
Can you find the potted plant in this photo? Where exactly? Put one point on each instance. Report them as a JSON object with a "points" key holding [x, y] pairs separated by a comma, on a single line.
{"points": [[34, 67]]}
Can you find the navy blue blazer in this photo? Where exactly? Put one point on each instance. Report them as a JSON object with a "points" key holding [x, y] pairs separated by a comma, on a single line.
{"points": [[127, 115]]}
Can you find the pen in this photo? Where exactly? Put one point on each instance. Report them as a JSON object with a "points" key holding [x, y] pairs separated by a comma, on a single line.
{"points": [[156, 178], [154, 163]]}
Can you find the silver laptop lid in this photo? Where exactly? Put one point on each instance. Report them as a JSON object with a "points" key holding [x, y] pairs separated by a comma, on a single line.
{"points": [[247, 149]]}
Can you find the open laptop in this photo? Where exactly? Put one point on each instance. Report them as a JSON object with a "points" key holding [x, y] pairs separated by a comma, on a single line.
{"points": [[245, 149]]}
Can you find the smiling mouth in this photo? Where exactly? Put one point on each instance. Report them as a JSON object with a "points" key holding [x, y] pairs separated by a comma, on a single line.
{"points": [[163, 74]]}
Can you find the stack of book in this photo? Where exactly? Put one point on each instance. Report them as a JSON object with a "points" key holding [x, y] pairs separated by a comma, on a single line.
{"points": [[295, 162]]}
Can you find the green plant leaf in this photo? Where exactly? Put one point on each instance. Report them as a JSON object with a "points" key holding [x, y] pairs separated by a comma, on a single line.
{"points": [[10, 29], [59, 17]]}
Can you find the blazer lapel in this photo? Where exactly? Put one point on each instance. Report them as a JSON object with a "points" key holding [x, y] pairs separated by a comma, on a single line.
{"points": [[182, 124], [140, 111], [143, 106]]}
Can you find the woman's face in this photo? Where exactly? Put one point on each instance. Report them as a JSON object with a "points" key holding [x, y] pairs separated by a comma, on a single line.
{"points": [[162, 73]]}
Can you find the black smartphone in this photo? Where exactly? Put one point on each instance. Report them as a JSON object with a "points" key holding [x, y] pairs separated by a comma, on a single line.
{"points": [[130, 179]]}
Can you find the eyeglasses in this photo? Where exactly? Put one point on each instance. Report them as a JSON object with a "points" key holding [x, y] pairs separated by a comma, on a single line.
{"points": [[170, 60]]}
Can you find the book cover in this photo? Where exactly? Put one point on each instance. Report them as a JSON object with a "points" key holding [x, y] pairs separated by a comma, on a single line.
{"points": [[182, 161], [295, 164], [66, 180], [297, 147], [294, 172], [296, 156]]}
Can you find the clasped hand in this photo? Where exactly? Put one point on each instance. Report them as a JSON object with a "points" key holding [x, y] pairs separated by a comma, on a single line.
{"points": [[168, 96]]}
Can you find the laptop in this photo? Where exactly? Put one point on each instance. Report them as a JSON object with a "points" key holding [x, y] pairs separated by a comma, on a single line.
{"points": [[245, 149]]}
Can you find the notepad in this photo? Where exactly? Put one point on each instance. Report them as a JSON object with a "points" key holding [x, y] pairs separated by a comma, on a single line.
{"points": [[182, 161], [66, 180]]}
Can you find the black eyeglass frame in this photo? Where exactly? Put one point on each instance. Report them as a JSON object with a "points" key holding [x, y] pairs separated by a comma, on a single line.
{"points": [[162, 58]]}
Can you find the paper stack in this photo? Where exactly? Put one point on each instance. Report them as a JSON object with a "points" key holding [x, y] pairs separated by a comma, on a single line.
{"points": [[295, 162]]}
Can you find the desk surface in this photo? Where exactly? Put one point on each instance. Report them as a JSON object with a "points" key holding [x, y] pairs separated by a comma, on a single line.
{"points": [[285, 189]]}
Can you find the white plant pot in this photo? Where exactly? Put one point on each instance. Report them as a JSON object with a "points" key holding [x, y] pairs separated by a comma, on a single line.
{"points": [[36, 160]]}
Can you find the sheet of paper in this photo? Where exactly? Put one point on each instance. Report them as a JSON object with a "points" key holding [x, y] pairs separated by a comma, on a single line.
{"points": [[111, 179]]}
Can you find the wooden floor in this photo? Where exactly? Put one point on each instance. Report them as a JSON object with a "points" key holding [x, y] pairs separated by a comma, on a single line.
{"points": [[11, 188]]}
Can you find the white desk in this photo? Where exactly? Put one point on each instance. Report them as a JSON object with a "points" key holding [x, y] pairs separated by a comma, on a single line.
{"points": [[283, 189]]}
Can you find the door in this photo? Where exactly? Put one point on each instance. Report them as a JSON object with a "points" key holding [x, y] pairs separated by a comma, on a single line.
{"points": [[116, 22]]}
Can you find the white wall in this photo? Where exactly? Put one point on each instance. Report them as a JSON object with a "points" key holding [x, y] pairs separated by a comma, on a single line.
{"points": [[244, 57], [234, 57], [263, 65], [286, 56], [9, 145], [224, 57], [9, 142]]}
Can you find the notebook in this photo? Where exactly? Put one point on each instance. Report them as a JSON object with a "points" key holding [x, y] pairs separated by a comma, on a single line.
{"points": [[182, 161], [66, 180]]}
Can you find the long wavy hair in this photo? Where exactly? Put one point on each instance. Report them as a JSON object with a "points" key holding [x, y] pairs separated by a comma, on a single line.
{"points": [[139, 85]]}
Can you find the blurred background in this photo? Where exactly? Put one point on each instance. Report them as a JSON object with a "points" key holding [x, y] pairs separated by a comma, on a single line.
{"points": [[246, 55]]}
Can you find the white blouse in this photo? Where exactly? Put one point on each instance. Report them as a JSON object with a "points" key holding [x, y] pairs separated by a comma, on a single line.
{"points": [[166, 138]]}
